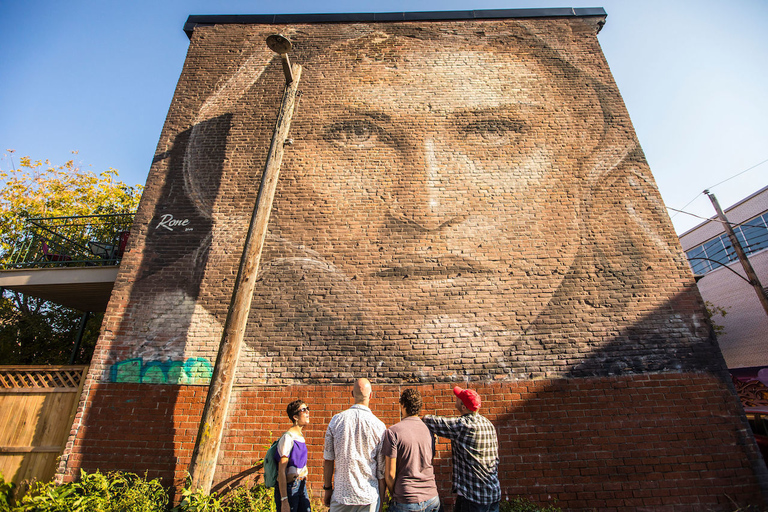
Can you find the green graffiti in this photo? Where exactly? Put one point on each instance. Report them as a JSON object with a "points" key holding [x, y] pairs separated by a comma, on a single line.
{"points": [[194, 371]]}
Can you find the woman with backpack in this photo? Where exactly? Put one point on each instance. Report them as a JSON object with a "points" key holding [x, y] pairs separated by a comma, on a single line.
{"points": [[291, 489]]}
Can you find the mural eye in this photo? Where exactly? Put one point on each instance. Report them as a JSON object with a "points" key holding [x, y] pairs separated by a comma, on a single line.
{"points": [[358, 133], [494, 131]]}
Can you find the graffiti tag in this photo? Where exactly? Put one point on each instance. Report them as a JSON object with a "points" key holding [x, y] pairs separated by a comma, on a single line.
{"points": [[194, 371]]}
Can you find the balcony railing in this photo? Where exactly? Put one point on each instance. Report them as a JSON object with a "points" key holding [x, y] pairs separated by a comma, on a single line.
{"points": [[86, 240]]}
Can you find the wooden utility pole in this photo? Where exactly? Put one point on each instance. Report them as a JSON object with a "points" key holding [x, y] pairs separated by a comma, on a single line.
{"points": [[209, 434], [751, 275]]}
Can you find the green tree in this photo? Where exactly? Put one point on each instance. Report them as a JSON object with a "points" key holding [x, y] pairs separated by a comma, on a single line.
{"points": [[34, 331]]}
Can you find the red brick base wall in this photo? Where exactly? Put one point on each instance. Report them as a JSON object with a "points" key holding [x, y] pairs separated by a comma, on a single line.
{"points": [[659, 442]]}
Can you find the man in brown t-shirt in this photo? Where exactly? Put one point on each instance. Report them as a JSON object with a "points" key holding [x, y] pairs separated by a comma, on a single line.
{"points": [[407, 448]]}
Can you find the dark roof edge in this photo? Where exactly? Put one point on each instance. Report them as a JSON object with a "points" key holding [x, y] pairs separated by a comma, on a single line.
{"points": [[273, 19]]}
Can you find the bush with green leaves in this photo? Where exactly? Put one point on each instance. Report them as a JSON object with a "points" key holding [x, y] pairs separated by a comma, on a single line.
{"points": [[242, 499], [6, 494], [257, 498], [97, 492], [198, 501]]}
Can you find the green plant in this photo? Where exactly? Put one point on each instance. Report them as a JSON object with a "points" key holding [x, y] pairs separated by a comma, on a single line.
{"points": [[198, 501], [258, 499], [712, 311], [97, 492], [520, 504], [6, 494]]}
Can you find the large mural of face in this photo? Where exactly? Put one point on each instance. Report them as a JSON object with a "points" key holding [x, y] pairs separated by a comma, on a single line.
{"points": [[434, 172], [444, 192]]}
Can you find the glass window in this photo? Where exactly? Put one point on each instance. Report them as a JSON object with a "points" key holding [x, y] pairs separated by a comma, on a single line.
{"points": [[716, 250], [752, 235], [698, 266]]}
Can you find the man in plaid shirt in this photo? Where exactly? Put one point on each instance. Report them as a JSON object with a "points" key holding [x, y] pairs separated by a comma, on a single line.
{"points": [[475, 451]]}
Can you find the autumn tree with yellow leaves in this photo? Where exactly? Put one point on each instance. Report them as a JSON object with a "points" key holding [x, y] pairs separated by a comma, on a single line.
{"points": [[34, 331]]}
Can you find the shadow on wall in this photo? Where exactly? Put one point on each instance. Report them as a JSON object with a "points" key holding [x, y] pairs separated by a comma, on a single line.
{"points": [[632, 432], [155, 327], [145, 342], [631, 423]]}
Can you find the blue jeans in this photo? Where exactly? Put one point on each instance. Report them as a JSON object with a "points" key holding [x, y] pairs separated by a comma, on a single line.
{"points": [[298, 499], [464, 505], [431, 505]]}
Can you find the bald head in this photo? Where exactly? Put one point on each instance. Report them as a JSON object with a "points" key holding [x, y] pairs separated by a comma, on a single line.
{"points": [[361, 391]]}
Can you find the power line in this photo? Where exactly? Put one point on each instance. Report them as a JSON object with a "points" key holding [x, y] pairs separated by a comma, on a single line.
{"points": [[689, 213], [736, 224], [739, 174], [686, 205], [713, 186]]}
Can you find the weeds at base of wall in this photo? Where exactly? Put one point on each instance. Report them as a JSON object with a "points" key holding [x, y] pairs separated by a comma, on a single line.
{"points": [[111, 492], [120, 491], [242, 499]]}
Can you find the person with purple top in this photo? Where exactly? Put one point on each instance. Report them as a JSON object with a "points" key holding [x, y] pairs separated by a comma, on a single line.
{"points": [[291, 489], [408, 450]]}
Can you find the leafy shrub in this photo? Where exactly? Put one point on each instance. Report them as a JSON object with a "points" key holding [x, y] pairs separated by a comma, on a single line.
{"points": [[243, 499], [520, 504], [6, 494], [97, 492], [198, 501], [257, 498]]}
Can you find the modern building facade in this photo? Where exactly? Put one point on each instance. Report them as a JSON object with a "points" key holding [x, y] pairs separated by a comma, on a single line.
{"points": [[463, 200], [724, 284]]}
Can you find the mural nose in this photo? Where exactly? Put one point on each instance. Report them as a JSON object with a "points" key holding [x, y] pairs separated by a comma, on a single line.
{"points": [[427, 191]]}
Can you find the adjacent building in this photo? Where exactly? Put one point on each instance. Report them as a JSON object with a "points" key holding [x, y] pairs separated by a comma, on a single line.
{"points": [[723, 282]]}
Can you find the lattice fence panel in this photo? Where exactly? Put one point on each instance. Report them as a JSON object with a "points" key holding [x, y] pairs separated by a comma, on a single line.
{"points": [[45, 378]]}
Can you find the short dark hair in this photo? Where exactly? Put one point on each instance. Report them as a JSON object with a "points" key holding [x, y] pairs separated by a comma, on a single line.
{"points": [[293, 408], [411, 400]]}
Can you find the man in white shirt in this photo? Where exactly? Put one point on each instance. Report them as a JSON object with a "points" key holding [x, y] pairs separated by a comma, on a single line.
{"points": [[353, 467]]}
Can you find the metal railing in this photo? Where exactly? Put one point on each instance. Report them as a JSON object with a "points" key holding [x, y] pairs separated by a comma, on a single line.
{"points": [[80, 241]]}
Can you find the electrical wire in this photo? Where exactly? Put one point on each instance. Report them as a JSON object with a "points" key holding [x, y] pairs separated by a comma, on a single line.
{"points": [[691, 214], [739, 174], [733, 224], [713, 186]]}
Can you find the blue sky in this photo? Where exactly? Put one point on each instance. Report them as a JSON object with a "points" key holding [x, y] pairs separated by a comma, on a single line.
{"points": [[98, 77]]}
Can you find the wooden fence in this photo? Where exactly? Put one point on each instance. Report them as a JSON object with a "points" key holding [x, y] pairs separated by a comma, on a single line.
{"points": [[37, 407]]}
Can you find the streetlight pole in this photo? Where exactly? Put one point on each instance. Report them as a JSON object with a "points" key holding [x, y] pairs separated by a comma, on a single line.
{"points": [[206, 451], [751, 275]]}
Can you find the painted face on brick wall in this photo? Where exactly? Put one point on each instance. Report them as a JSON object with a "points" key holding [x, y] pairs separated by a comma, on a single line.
{"points": [[443, 185], [442, 213]]}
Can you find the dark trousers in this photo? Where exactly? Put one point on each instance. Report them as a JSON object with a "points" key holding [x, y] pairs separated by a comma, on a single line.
{"points": [[464, 505]]}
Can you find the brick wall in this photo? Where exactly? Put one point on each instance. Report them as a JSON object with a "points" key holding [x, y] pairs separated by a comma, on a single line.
{"points": [[653, 442], [464, 201], [446, 191]]}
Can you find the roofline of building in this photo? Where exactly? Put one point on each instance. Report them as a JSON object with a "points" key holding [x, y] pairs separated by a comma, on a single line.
{"points": [[196, 20], [725, 210]]}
